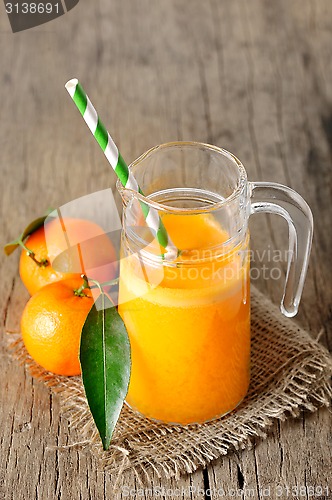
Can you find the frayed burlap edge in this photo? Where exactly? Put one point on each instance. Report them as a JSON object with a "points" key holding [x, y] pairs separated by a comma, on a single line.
{"points": [[301, 379]]}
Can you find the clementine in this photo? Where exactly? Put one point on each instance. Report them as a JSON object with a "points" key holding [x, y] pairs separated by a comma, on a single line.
{"points": [[52, 322], [81, 246]]}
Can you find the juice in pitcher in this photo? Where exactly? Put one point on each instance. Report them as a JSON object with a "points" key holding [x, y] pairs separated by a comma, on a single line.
{"points": [[190, 332]]}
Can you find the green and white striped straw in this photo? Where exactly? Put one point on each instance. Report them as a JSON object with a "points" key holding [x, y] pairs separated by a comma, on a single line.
{"points": [[118, 164]]}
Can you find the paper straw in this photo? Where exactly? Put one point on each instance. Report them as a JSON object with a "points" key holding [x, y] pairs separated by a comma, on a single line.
{"points": [[118, 164]]}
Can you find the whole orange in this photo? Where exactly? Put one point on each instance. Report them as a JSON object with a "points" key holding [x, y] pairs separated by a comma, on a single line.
{"points": [[51, 325], [95, 255]]}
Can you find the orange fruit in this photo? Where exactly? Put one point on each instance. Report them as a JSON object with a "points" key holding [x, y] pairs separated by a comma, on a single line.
{"points": [[34, 277], [96, 256], [51, 325]]}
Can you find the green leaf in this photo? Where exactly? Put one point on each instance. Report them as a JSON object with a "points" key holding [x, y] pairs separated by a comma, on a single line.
{"points": [[34, 225], [10, 247], [31, 228], [105, 361]]}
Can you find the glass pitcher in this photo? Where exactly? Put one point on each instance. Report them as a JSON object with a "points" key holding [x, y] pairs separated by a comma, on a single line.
{"points": [[188, 319]]}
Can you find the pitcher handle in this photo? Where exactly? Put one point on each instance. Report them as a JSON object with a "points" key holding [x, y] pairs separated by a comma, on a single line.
{"points": [[273, 198]]}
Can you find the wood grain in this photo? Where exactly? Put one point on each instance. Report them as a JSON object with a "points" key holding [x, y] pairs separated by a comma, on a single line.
{"points": [[254, 77]]}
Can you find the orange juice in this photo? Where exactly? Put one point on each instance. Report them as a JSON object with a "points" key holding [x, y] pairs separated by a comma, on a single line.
{"points": [[189, 327]]}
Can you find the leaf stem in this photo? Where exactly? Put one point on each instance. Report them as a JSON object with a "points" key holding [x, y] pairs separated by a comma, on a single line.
{"points": [[32, 255], [104, 283], [97, 285], [79, 292]]}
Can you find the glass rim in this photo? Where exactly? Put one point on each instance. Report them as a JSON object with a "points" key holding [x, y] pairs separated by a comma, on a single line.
{"points": [[162, 207]]}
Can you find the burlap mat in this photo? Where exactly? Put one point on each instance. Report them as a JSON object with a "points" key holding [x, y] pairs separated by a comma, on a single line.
{"points": [[289, 372]]}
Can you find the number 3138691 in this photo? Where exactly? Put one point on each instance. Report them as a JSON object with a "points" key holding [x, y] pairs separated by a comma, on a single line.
{"points": [[32, 8], [302, 491]]}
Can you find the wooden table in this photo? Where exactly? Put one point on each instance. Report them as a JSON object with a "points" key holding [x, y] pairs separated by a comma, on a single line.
{"points": [[251, 76]]}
